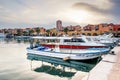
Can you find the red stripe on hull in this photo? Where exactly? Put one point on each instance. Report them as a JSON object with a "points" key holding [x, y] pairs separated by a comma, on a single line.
{"points": [[79, 47], [72, 46]]}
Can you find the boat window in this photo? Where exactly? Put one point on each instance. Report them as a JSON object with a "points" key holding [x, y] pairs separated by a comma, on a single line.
{"points": [[88, 39], [67, 40], [77, 40]]}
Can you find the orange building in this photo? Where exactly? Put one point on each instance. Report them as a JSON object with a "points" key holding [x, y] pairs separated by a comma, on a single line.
{"points": [[103, 28], [97, 29], [116, 30]]}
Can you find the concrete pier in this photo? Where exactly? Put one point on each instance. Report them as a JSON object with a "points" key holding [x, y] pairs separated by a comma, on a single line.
{"points": [[107, 69], [79, 75], [115, 71]]}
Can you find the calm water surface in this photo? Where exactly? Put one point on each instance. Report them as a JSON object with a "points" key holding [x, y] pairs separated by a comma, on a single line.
{"points": [[15, 64]]}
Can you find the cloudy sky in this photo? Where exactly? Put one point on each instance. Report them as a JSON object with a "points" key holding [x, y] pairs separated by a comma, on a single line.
{"points": [[37, 13]]}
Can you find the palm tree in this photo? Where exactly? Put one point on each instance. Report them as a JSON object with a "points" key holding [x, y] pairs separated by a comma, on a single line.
{"points": [[53, 34], [19, 32], [31, 32], [25, 33], [66, 30], [48, 32], [6, 31], [37, 30]]}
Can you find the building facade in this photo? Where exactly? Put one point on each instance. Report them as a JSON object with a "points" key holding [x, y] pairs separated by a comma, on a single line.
{"points": [[59, 25]]}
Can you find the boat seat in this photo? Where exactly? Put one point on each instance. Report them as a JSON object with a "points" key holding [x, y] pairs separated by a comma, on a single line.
{"points": [[41, 48]]}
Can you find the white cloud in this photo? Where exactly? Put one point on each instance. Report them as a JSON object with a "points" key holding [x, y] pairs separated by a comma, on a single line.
{"points": [[44, 12]]}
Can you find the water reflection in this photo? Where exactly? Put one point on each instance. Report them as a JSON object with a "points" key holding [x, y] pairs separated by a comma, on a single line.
{"points": [[20, 39], [52, 70], [58, 66], [14, 40], [15, 66]]}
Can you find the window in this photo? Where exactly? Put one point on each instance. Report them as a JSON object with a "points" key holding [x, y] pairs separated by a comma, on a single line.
{"points": [[89, 39], [67, 40], [74, 40], [97, 28], [77, 40], [118, 29]]}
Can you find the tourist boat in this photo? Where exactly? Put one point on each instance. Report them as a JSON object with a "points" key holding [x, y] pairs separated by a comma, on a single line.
{"points": [[69, 42], [103, 39], [82, 54], [67, 53]]}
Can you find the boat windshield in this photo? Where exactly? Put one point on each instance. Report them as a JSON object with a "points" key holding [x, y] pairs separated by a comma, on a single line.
{"points": [[89, 39]]}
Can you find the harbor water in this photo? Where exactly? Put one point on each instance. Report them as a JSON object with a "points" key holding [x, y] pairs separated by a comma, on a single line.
{"points": [[16, 64]]}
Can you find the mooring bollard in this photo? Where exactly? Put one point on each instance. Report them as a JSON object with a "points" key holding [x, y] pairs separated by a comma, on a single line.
{"points": [[112, 53]]}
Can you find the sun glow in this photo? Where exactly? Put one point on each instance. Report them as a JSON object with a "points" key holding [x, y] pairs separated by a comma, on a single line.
{"points": [[78, 16], [82, 17]]}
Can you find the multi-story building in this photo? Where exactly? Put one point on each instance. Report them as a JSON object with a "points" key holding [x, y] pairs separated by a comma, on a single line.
{"points": [[59, 25], [78, 28], [89, 27], [103, 28], [98, 29], [116, 30], [90, 30]]}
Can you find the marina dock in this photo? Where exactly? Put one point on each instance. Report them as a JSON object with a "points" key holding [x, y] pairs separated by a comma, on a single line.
{"points": [[107, 69]]}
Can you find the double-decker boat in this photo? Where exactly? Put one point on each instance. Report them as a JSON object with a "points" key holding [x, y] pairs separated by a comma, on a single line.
{"points": [[67, 48]]}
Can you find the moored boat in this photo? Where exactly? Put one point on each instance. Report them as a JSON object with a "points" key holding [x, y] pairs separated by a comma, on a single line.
{"points": [[82, 54], [69, 42], [104, 39], [68, 53]]}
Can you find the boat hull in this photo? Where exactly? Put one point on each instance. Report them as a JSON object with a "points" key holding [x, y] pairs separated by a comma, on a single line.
{"points": [[68, 56]]}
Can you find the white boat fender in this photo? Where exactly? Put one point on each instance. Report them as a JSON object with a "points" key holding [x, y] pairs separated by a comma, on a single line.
{"points": [[66, 58]]}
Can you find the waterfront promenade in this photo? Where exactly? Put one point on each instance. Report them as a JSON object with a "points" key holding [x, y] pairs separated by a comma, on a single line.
{"points": [[115, 71], [107, 69]]}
